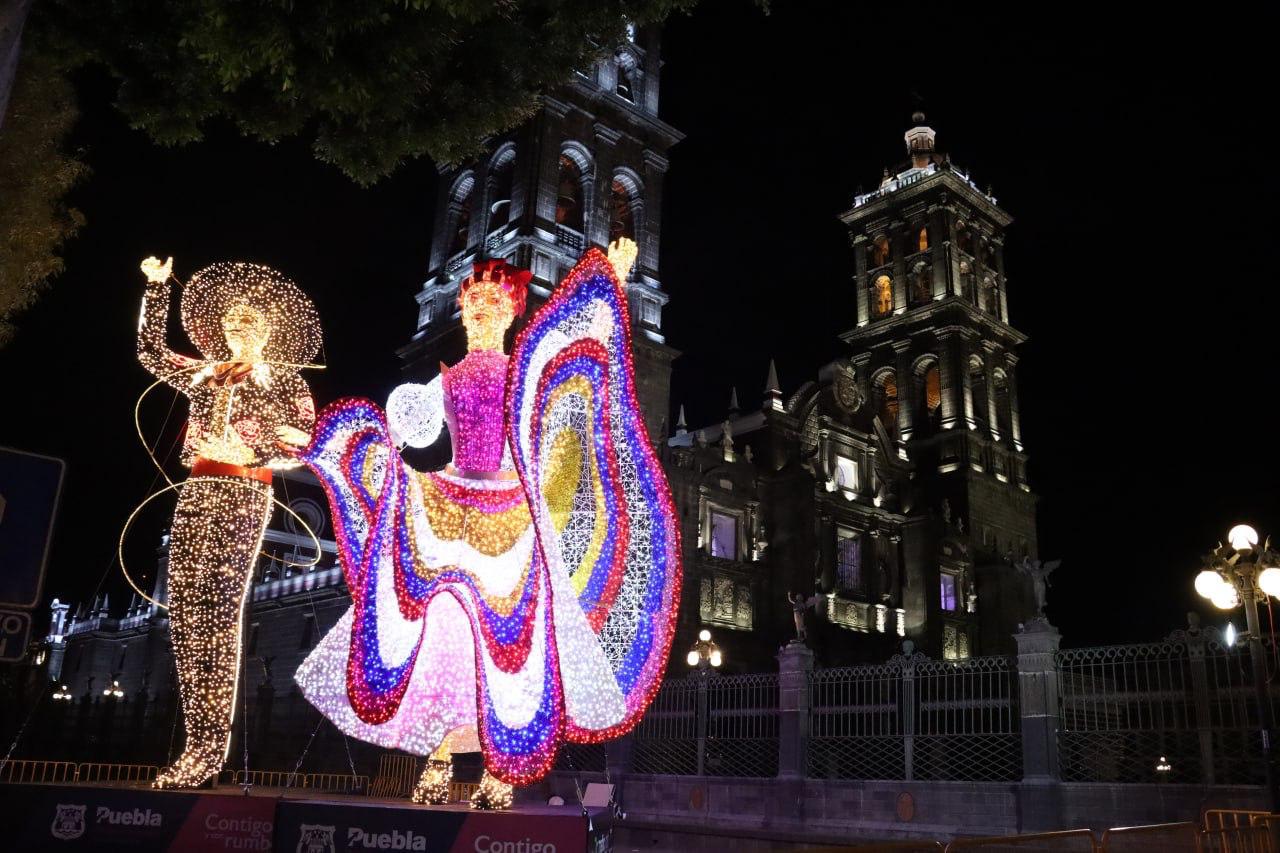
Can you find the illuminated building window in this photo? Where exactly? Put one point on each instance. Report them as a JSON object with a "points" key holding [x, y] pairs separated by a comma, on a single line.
{"points": [[922, 239], [929, 391], [847, 473], [622, 199], [569, 211], [881, 253], [724, 535], [501, 176], [955, 642], [949, 592], [849, 561], [882, 296]]}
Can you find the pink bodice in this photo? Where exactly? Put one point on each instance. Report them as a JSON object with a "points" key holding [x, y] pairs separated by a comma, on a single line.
{"points": [[474, 393]]}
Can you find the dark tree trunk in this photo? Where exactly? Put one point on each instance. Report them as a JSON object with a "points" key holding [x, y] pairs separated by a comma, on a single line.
{"points": [[13, 15]]}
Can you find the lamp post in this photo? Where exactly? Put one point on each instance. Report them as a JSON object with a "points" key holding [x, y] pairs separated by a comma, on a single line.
{"points": [[1242, 573], [705, 655]]}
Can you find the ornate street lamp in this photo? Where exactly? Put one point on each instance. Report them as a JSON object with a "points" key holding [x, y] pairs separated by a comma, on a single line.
{"points": [[62, 694], [704, 654], [1242, 573], [114, 690]]}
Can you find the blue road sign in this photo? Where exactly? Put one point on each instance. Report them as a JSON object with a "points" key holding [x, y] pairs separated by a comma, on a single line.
{"points": [[30, 485], [15, 635]]}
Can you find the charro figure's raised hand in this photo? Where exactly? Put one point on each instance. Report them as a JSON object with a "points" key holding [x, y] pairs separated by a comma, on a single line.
{"points": [[156, 272]]}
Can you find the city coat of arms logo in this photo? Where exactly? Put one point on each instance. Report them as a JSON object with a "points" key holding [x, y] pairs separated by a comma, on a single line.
{"points": [[313, 838], [68, 822]]}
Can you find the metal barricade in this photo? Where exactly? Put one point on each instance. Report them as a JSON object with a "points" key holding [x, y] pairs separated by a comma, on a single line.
{"points": [[117, 773], [1230, 818], [336, 783], [396, 777], [37, 771], [1155, 838], [1068, 841], [1236, 839], [460, 792]]}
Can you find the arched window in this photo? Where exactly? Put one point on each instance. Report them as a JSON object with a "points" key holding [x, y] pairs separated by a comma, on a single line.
{"points": [[929, 391], [978, 390], [628, 75], [849, 561], [622, 199], [882, 296], [964, 239], [921, 283], [968, 288], [881, 251], [569, 212], [460, 214], [886, 399], [990, 297], [501, 176], [922, 239], [1004, 404]]}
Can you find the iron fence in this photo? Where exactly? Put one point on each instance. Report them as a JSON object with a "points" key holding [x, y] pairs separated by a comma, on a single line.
{"points": [[1181, 710], [742, 725], [915, 718], [666, 741]]}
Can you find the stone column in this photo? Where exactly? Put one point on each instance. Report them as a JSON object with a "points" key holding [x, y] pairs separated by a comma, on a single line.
{"points": [[860, 284], [998, 243], [1038, 699], [906, 390], [601, 203], [655, 170], [939, 240], [951, 376], [989, 369], [1015, 421], [795, 663], [899, 249]]}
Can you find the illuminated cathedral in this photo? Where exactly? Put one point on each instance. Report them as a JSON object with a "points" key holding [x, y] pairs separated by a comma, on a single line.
{"points": [[890, 491]]}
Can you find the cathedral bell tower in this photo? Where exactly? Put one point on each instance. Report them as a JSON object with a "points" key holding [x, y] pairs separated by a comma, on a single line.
{"points": [[586, 169], [935, 358]]}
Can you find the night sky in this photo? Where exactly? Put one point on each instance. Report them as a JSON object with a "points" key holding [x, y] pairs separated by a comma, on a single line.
{"points": [[1132, 155]]}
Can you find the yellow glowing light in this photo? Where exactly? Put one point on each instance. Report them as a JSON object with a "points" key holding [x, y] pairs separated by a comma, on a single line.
{"points": [[432, 788], [253, 328], [1225, 597], [692, 658], [704, 635]]}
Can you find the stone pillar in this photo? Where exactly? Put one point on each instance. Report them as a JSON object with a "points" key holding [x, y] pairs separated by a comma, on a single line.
{"points": [[795, 663], [1200, 693], [906, 392], [596, 227], [655, 170], [939, 240], [989, 368], [1038, 699], [1015, 421], [952, 374], [860, 284], [899, 249], [998, 243]]}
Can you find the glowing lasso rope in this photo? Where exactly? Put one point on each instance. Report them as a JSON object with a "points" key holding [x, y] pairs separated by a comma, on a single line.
{"points": [[172, 486]]}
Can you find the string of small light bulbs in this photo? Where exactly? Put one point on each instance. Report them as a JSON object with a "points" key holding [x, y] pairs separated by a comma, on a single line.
{"points": [[255, 330]]}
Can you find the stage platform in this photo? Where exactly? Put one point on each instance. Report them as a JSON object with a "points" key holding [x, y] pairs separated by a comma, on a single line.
{"points": [[138, 819]]}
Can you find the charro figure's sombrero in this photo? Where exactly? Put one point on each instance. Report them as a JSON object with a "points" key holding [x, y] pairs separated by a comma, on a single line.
{"points": [[295, 325]]}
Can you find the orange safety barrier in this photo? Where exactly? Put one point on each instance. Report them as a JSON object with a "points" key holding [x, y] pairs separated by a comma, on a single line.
{"points": [[1237, 839], [1067, 841], [128, 773], [1154, 838], [1230, 818], [37, 771]]}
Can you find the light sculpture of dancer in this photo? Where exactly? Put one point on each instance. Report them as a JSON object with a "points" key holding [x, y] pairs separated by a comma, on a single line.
{"points": [[506, 608], [254, 329]]}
